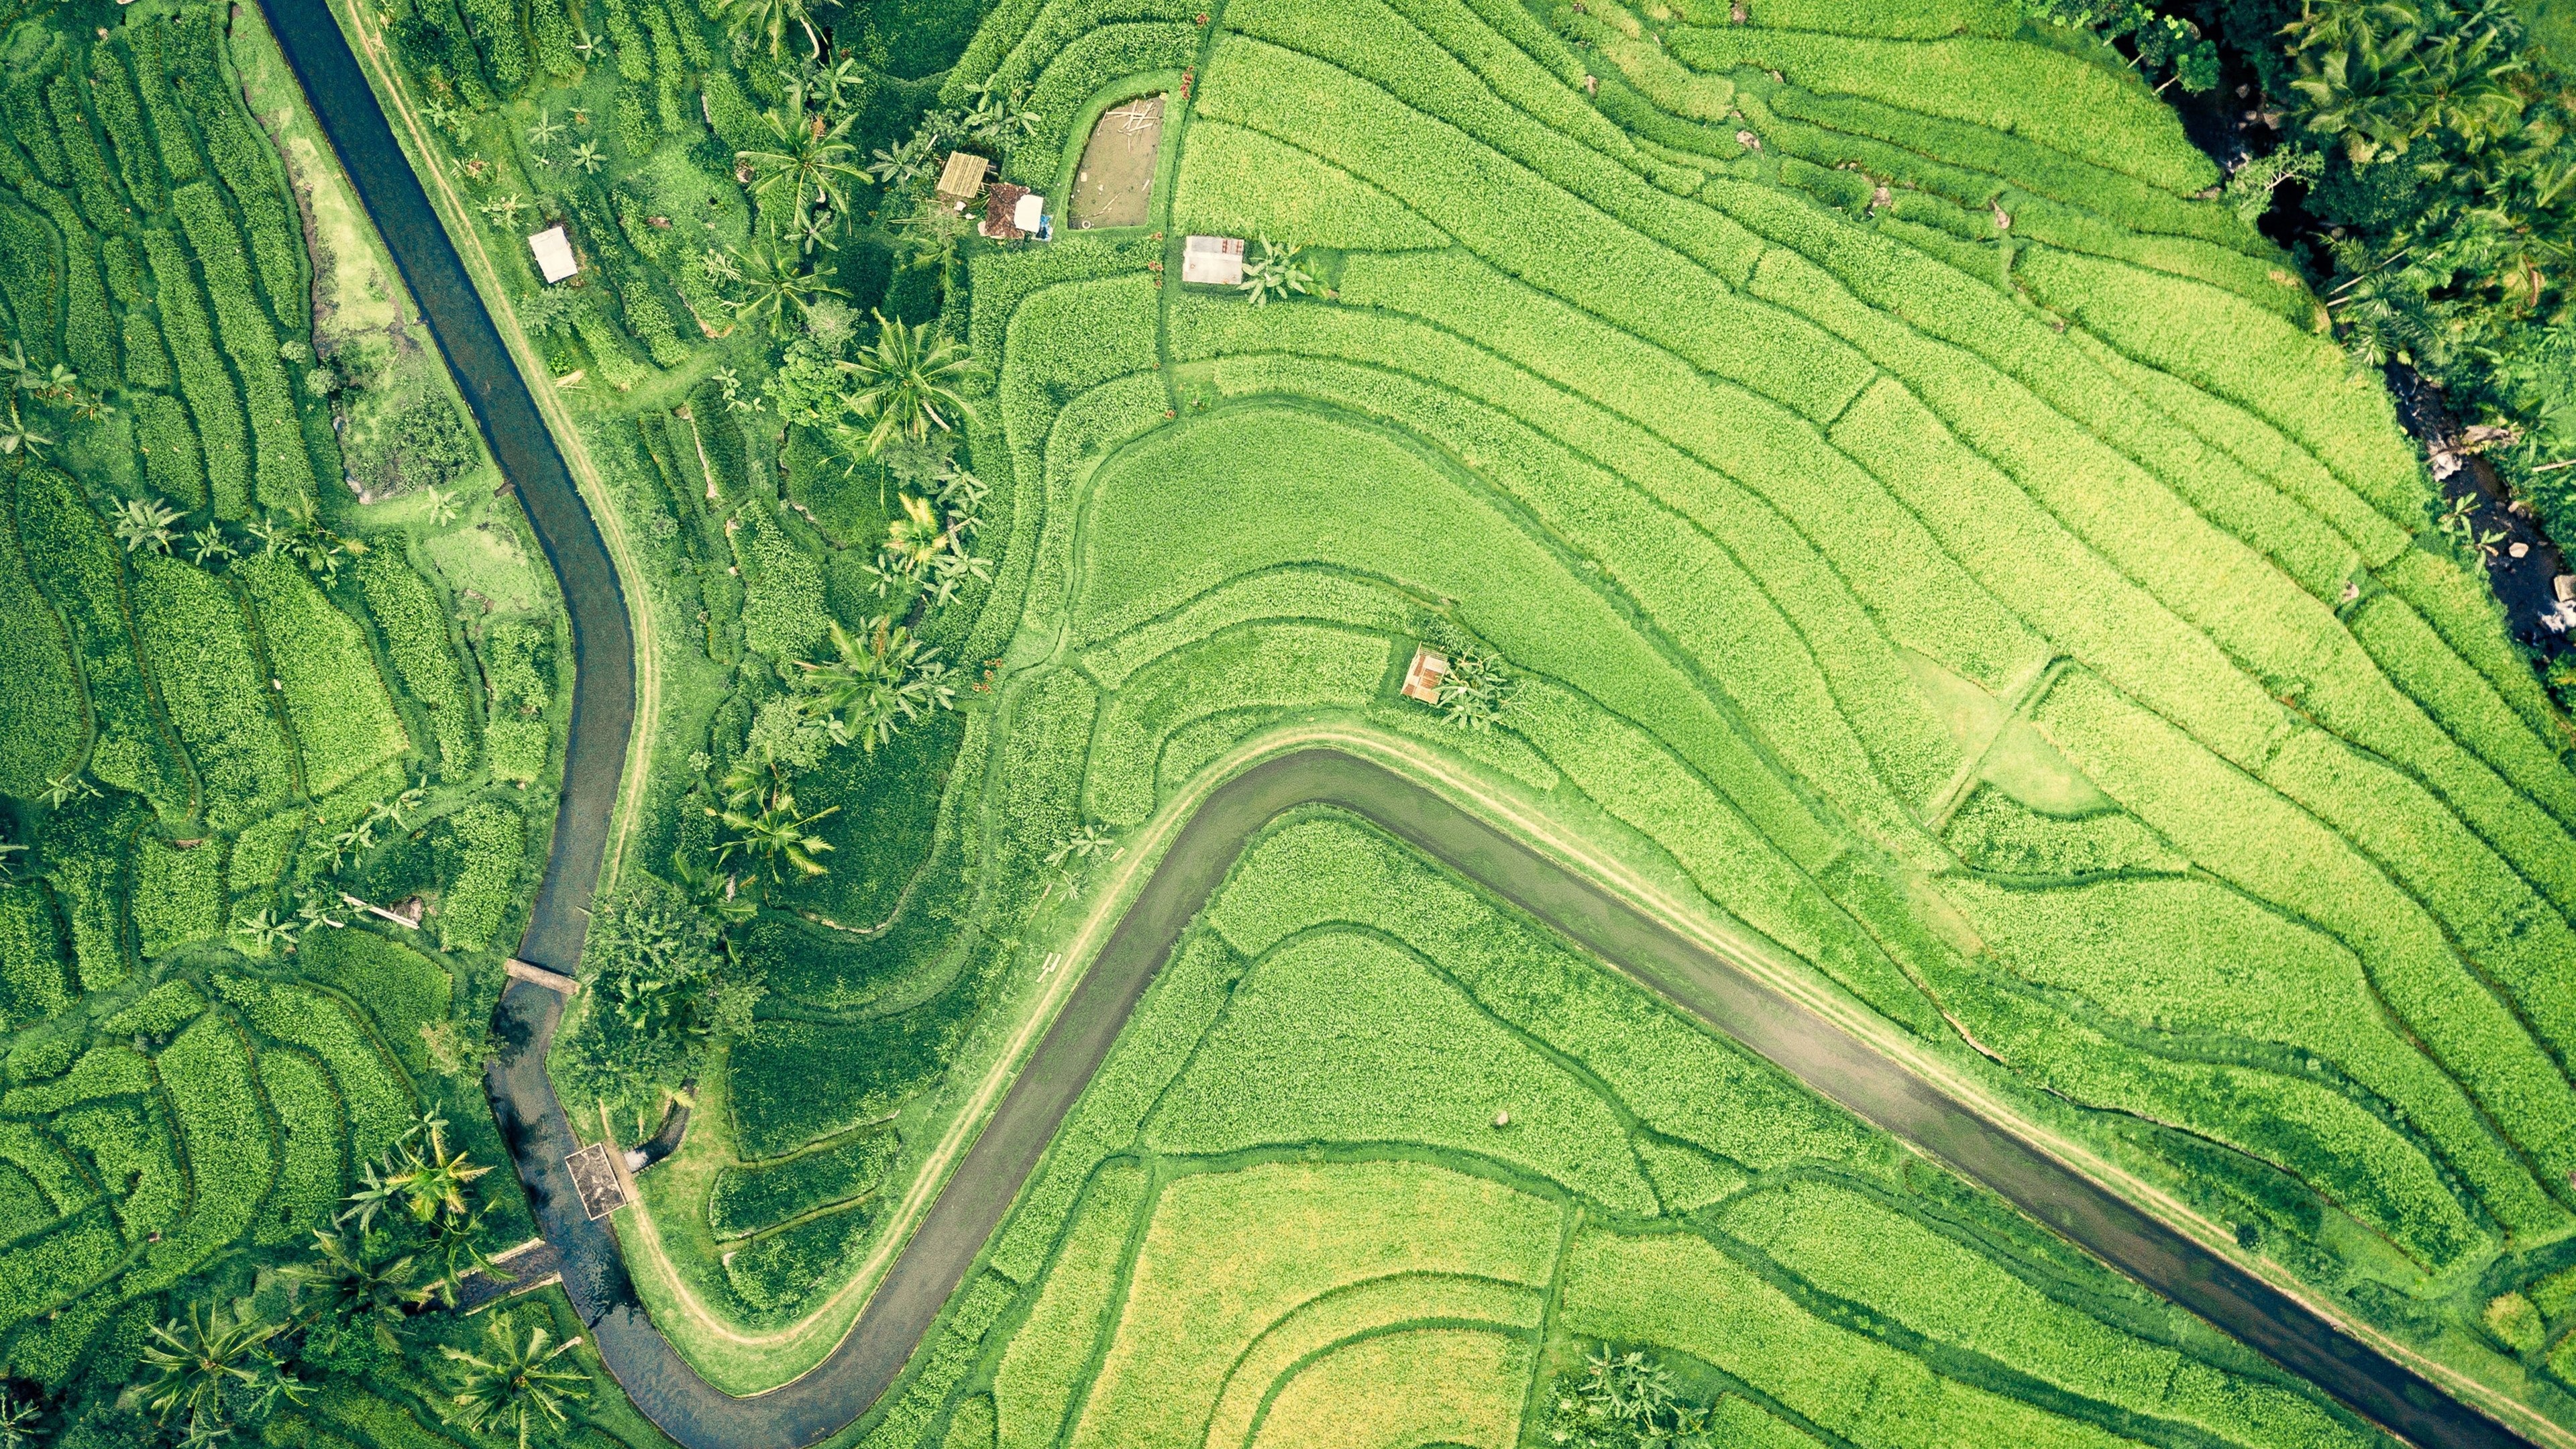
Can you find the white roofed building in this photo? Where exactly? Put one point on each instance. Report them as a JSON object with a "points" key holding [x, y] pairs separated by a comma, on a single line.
{"points": [[553, 248], [1215, 261]]}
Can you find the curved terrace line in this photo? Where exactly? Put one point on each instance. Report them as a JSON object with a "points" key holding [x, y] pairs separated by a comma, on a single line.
{"points": [[964, 1213]]}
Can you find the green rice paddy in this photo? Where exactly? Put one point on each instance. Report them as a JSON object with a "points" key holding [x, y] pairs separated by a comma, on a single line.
{"points": [[1927, 530], [1924, 530]]}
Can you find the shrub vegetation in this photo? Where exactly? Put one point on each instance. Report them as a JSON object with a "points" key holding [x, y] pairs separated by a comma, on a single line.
{"points": [[203, 760]]}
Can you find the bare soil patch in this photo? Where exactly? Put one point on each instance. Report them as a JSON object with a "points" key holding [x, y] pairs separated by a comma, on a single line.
{"points": [[1114, 184]]}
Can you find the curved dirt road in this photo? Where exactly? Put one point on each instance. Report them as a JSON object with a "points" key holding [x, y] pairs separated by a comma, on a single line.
{"points": [[963, 1216]]}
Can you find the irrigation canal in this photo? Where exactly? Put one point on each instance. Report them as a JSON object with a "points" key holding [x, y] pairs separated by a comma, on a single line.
{"points": [[859, 1370]]}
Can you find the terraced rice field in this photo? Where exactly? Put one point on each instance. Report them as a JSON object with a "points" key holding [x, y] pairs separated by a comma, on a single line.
{"points": [[1924, 528], [254, 574], [1376, 1153]]}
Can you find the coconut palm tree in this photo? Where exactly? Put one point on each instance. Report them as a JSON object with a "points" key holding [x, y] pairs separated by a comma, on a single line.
{"points": [[455, 1251], [215, 1370], [144, 523], [420, 1174], [515, 1383], [908, 383], [809, 158], [779, 834], [775, 285], [767, 22], [872, 689], [359, 1280]]}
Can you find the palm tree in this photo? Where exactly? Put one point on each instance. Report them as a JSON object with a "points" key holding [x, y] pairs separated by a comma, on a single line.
{"points": [[17, 1421], [456, 1250], [908, 383], [776, 283], [1083, 844], [263, 933], [767, 21], [1274, 273], [904, 163], [932, 235], [515, 1383], [916, 538], [216, 1370], [65, 788], [143, 523], [715, 892], [843, 85], [313, 913], [777, 834], [209, 543], [19, 372], [359, 1280], [421, 1174], [1476, 691], [17, 437], [809, 156], [871, 690], [998, 118]]}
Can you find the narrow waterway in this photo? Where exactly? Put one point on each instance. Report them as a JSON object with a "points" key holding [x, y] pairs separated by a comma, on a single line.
{"points": [[953, 1233]]}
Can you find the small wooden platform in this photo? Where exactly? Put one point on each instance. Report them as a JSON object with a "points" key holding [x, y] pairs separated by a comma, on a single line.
{"points": [[595, 1177], [554, 981], [962, 177], [1423, 676], [530, 1266]]}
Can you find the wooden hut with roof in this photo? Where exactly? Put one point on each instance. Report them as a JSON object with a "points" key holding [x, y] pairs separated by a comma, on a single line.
{"points": [[962, 178]]}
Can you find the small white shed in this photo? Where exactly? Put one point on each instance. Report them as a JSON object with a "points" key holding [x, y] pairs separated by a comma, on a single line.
{"points": [[1215, 261], [553, 248]]}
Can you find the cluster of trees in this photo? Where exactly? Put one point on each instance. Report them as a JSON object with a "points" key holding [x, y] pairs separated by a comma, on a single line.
{"points": [[2427, 156], [377, 1290], [1478, 690], [663, 987], [668, 982], [1624, 1401], [2166, 43], [805, 170], [150, 525]]}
